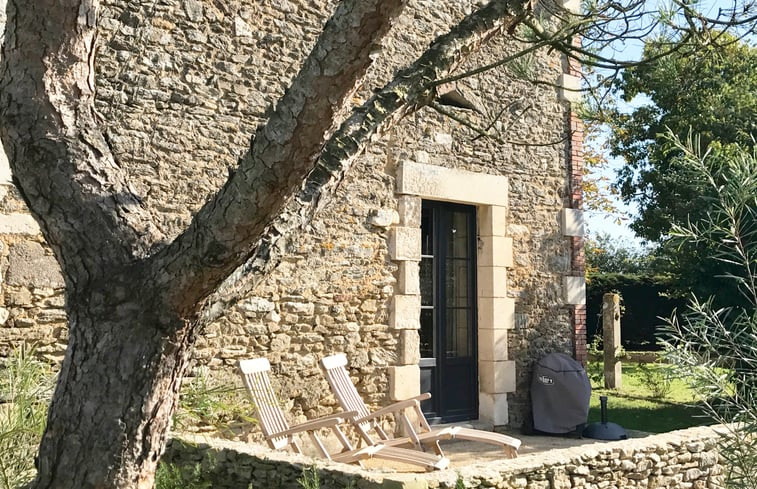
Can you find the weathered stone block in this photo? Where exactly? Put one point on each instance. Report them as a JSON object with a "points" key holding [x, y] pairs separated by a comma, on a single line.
{"points": [[19, 224], [436, 182], [497, 377], [496, 313], [695, 447], [408, 278], [28, 265], [570, 86], [572, 221], [302, 308], [256, 304], [404, 382], [575, 290], [405, 244], [495, 251], [20, 297], [573, 6], [383, 218], [409, 347], [409, 208], [492, 344], [492, 408], [492, 220], [193, 9], [405, 312], [492, 281]]}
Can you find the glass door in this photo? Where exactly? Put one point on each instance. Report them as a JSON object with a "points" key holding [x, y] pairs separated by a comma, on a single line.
{"points": [[448, 311]]}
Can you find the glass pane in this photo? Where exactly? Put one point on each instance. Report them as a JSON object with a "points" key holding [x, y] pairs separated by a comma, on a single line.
{"points": [[459, 234], [458, 341], [456, 283], [427, 230], [427, 333], [427, 281]]}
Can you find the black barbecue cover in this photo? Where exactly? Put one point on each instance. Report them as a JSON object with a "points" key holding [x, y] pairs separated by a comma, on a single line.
{"points": [[560, 393]]}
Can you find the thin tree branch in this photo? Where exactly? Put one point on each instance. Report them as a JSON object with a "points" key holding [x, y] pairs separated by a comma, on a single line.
{"points": [[488, 135]]}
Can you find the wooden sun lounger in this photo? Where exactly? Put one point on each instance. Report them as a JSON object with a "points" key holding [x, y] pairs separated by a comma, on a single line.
{"points": [[334, 368], [279, 435]]}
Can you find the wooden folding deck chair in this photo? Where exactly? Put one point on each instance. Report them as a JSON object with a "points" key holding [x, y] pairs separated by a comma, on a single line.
{"points": [[334, 368], [279, 434]]}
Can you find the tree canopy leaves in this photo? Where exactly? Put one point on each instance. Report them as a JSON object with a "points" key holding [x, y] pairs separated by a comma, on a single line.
{"points": [[711, 93]]}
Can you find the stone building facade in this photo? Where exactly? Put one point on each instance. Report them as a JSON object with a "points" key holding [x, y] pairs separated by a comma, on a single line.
{"points": [[182, 85]]}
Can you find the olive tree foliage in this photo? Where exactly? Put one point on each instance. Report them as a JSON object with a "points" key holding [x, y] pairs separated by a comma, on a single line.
{"points": [[135, 299], [716, 348]]}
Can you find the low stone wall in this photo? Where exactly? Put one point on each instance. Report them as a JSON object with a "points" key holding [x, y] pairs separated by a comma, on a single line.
{"points": [[686, 459], [235, 465]]}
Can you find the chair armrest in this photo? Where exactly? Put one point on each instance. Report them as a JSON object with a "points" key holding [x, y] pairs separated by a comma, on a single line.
{"points": [[341, 416], [393, 408], [315, 424]]}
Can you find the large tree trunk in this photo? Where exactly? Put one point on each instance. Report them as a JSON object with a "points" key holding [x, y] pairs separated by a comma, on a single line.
{"points": [[133, 303], [117, 389]]}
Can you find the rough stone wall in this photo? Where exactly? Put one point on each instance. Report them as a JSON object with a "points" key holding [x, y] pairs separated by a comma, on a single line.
{"points": [[683, 459], [31, 303], [183, 84], [31, 286]]}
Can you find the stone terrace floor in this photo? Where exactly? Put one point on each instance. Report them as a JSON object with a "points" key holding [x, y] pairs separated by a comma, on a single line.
{"points": [[463, 453]]}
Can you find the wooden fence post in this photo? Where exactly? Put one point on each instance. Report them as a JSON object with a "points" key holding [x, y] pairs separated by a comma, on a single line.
{"points": [[611, 340]]}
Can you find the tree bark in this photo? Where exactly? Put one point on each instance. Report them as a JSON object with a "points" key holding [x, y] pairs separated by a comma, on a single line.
{"points": [[133, 303], [52, 134], [411, 89], [117, 388]]}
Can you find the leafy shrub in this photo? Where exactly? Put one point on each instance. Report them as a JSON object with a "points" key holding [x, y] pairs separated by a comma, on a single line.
{"points": [[170, 476], [595, 366], [212, 403], [657, 379], [310, 479]]}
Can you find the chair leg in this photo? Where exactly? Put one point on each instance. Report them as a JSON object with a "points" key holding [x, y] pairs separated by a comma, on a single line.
{"points": [[317, 442], [411, 431], [381, 433], [347, 446], [295, 445], [426, 428]]}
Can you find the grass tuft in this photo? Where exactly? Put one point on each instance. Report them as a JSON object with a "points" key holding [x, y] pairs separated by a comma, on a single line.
{"points": [[25, 388]]}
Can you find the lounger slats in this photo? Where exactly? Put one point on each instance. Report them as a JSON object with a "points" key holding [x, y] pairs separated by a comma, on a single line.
{"points": [[335, 370], [278, 433]]}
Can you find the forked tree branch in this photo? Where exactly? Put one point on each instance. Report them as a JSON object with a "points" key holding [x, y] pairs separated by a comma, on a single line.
{"points": [[410, 89]]}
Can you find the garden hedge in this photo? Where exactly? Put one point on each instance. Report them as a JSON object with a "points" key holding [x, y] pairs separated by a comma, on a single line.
{"points": [[644, 300]]}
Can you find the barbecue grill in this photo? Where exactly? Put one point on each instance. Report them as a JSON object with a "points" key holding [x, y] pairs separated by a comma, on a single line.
{"points": [[560, 393]]}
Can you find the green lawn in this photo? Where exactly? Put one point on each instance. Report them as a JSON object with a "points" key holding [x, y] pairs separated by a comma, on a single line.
{"points": [[648, 401]]}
